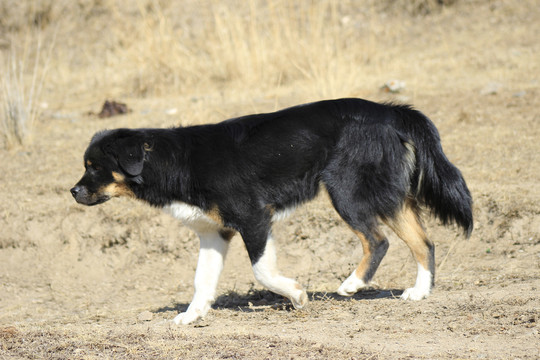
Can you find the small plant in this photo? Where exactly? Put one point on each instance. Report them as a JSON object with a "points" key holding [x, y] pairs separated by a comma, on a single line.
{"points": [[20, 90]]}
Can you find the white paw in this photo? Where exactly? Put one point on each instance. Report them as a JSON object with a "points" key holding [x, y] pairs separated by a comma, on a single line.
{"points": [[422, 287], [186, 317], [301, 300], [415, 294], [351, 286], [194, 312]]}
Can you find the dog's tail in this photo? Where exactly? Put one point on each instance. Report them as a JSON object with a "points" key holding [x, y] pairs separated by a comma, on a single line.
{"points": [[436, 182]]}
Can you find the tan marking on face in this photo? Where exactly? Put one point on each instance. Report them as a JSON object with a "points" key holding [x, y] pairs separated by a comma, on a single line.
{"points": [[88, 163], [119, 178], [408, 227], [116, 189]]}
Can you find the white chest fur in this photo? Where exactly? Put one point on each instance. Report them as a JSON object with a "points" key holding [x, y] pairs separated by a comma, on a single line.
{"points": [[192, 217], [197, 220]]}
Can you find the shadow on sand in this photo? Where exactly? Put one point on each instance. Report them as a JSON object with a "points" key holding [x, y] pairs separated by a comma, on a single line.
{"points": [[258, 300]]}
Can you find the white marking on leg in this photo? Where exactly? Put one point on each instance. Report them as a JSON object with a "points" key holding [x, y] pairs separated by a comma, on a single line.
{"points": [[351, 285], [422, 288], [213, 250], [283, 214], [267, 273]]}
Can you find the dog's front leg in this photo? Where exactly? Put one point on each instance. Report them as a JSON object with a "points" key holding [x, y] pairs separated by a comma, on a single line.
{"points": [[266, 272], [212, 253]]}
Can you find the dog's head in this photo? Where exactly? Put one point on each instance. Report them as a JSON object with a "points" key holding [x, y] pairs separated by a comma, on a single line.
{"points": [[114, 162]]}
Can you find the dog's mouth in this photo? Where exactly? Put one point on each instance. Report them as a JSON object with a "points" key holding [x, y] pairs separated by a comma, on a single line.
{"points": [[82, 196], [100, 200]]}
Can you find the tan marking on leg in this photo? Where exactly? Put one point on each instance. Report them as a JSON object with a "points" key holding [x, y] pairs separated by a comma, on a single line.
{"points": [[366, 258], [366, 261], [374, 247], [408, 227]]}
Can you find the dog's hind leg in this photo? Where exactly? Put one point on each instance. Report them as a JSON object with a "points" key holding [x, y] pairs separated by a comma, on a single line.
{"points": [[374, 246], [407, 225], [213, 249], [363, 222], [264, 263]]}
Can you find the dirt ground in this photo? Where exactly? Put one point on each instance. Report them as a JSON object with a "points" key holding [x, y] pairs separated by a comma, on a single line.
{"points": [[104, 282]]}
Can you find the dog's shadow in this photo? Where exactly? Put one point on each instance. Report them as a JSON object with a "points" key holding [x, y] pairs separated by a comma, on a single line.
{"points": [[259, 300]]}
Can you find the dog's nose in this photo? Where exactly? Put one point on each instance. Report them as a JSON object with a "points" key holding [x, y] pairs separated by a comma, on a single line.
{"points": [[75, 191]]}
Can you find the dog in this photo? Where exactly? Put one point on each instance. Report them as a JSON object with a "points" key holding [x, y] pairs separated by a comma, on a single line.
{"points": [[378, 163]]}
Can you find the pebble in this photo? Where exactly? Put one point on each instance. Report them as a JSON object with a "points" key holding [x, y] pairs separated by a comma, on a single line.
{"points": [[145, 316]]}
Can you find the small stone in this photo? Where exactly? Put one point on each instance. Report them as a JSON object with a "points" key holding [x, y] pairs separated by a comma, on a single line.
{"points": [[393, 86], [145, 316], [492, 88]]}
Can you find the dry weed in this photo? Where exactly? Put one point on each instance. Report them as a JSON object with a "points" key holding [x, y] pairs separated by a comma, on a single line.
{"points": [[153, 48], [21, 83]]}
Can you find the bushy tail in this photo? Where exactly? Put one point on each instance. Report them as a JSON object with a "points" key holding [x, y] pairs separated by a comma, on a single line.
{"points": [[438, 183]]}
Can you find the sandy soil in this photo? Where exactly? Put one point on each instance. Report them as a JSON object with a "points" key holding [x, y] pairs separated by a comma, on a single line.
{"points": [[105, 281]]}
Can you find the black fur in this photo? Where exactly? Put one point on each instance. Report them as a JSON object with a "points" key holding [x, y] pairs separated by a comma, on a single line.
{"points": [[371, 157]]}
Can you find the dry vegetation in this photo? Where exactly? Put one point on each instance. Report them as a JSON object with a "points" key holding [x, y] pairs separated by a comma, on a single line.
{"points": [[101, 282]]}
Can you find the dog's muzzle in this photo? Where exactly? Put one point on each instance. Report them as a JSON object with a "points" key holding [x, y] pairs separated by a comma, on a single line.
{"points": [[82, 196]]}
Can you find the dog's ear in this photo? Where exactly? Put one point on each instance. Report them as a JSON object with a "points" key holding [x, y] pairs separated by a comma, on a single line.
{"points": [[131, 157], [129, 151]]}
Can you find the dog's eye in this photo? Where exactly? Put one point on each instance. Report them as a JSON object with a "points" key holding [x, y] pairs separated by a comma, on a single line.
{"points": [[93, 167]]}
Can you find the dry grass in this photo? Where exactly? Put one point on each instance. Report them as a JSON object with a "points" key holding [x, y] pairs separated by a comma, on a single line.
{"points": [[21, 82], [152, 48], [160, 343], [263, 45]]}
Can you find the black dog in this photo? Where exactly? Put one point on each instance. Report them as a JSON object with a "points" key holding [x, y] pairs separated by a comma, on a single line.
{"points": [[377, 162]]}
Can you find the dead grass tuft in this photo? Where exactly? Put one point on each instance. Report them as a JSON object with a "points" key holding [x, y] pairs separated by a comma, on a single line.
{"points": [[21, 82], [152, 48]]}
